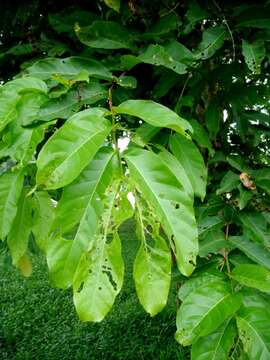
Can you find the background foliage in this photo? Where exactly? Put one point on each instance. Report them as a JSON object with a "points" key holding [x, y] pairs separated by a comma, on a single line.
{"points": [[86, 73]]}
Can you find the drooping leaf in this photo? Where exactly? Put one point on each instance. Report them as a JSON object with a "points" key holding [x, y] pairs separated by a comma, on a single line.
{"points": [[21, 227], [152, 266], [10, 190], [255, 251], [191, 159], [254, 276], [253, 53], [68, 68], [43, 218], [104, 35], [99, 276], [154, 114], [71, 148], [204, 310], [212, 40], [77, 217], [217, 345], [173, 207], [253, 325]]}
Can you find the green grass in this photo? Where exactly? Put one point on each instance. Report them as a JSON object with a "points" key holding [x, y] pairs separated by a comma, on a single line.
{"points": [[39, 322]]}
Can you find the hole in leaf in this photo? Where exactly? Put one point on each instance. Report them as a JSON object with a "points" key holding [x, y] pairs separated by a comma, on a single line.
{"points": [[80, 288]]}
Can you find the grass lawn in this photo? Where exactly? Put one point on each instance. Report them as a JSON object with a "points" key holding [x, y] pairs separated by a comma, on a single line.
{"points": [[39, 322]]}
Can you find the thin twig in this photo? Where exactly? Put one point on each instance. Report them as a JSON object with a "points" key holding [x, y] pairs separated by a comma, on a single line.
{"points": [[227, 25]]}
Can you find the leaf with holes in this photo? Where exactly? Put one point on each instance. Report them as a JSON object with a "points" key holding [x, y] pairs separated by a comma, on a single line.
{"points": [[173, 206], [99, 276], [254, 276], [77, 216], [217, 345], [254, 54], [152, 266]]}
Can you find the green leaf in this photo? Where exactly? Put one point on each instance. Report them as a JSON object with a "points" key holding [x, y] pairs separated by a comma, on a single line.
{"points": [[262, 178], [152, 266], [253, 324], [163, 26], [10, 190], [204, 310], [43, 218], [69, 103], [199, 281], [211, 242], [25, 84], [229, 182], [114, 4], [213, 119], [191, 159], [194, 14], [255, 251], [171, 203], [20, 143], [68, 68], [8, 111], [77, 217], [144, 134], [212, 40], [21, 227], [157, 55], [104, 35], [201, 136], [154, 114], [71, 148], [99, 276], [255, 227], [254, 276], [28, 107], [254, 54], [217, 345]]}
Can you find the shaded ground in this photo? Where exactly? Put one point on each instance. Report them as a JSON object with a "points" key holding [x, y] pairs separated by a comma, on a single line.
{"points": [[38, 322]]}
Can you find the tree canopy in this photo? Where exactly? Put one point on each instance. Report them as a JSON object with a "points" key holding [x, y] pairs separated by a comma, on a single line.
{"points": [[185, 85]]}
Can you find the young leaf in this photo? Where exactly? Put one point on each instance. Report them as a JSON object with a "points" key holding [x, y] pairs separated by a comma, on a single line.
{"points": [[191, 159], [104, 35], [254, 276], [253, 323], [254, 54], [21, 227], [217, 345], [71, 148], [172, 204], [10, 190], [152, 266], [255, 251], [77, 216], [204, 310], [68, 68], [99, 276], [154, 114]]}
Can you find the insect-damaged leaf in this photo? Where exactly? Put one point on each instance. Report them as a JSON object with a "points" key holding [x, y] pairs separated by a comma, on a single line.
{"points": [[77, 217], [173, 206]]}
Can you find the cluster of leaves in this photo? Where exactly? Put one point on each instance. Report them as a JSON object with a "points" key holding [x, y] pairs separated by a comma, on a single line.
{"points": [[201, 71]]}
